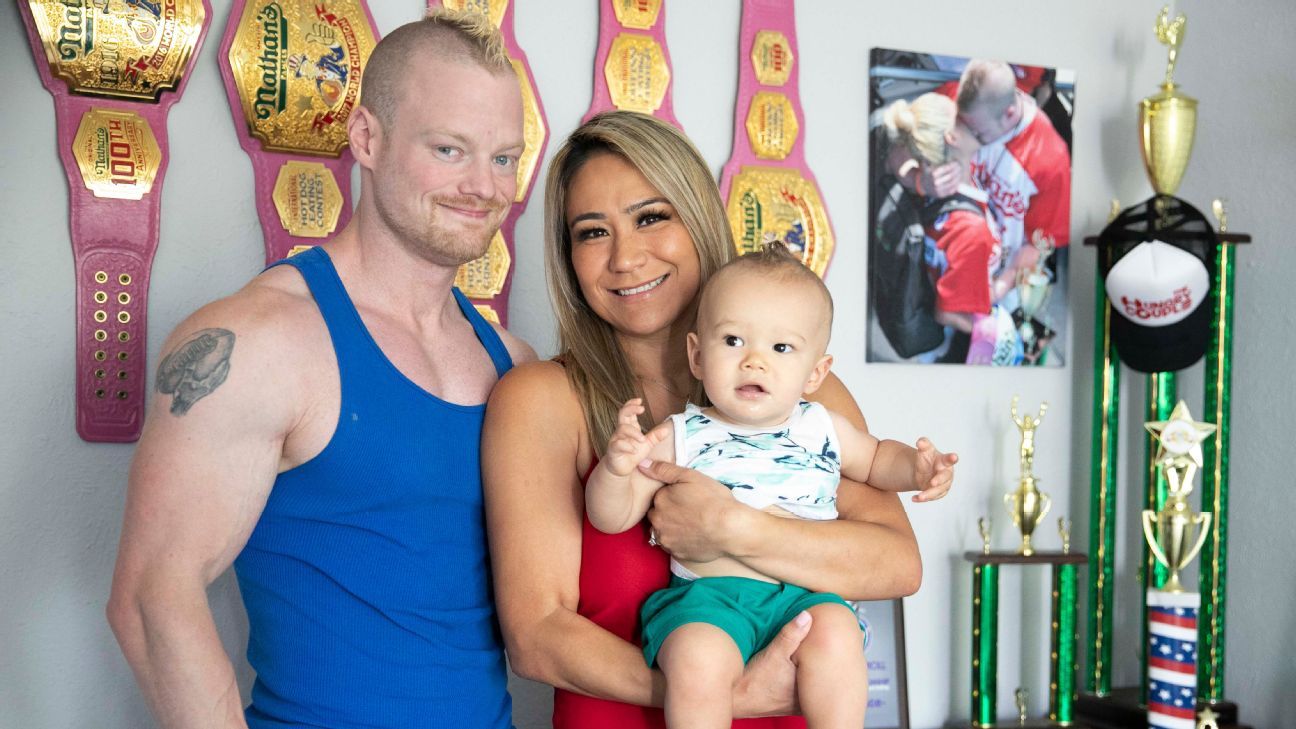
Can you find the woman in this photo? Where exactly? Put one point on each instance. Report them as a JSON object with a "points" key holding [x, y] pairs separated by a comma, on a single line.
{"points": [[963, 253], [634, 225]]}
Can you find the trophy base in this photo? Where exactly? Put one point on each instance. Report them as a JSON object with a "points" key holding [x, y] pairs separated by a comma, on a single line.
{"points": [[1121, 709], [1011, 724]]}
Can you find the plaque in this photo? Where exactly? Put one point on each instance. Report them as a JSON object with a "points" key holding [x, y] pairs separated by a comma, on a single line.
{"points": [[308, 199], [117, 154], [771, 58], [484, 277], [771, 125], [636, 72], [638, 14]]}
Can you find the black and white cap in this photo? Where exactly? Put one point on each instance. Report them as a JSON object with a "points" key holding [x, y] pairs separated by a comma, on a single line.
{"points": [[1158, 260]]}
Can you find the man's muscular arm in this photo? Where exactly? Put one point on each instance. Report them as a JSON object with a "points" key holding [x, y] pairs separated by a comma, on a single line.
{"points": [[210, 450]]}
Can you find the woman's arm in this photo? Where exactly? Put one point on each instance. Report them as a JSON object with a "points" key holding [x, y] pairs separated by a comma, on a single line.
{"points": [[534, 513], [531, 444], [869, 553]]}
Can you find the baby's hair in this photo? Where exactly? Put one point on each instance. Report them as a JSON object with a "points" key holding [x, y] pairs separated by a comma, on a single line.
{"points": [[775, 260]]}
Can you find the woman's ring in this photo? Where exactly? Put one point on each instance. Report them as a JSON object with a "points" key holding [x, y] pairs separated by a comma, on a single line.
{"points": [[652, 538]]}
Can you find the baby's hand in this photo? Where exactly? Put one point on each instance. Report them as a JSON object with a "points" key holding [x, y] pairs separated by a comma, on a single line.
{"points": [[629, 445], [933, 471]]}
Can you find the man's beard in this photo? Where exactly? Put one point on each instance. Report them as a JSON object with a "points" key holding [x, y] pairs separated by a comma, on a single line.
{"points": [[430, 238]]}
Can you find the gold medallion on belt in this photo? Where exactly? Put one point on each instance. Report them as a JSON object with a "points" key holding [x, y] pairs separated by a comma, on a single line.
{"points": [[308, 199], [771, 58], [493, 9], [771, 125], [636, 72], [639, 14], [782, 202], [116, 48], [483, 278], [116, 153]]}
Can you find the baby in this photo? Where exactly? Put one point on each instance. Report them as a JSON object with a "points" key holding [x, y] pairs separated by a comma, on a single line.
{"points": [[762, 329]]}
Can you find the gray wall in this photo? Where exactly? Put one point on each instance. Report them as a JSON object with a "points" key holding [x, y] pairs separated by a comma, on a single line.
{"points": [[61, 498]]}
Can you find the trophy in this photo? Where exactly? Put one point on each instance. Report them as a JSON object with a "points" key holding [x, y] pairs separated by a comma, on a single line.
{"points": [[1033, 287], [1167, 124], [1027, 504], [1028, 507], [1172, 610], [1169, 531], [1168, 119]]}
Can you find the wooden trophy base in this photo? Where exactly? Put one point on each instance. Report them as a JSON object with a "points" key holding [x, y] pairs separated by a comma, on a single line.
{"points": [[1121, 710]]}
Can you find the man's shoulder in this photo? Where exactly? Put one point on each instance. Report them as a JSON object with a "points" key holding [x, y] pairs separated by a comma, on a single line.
{"points": [[1039, 145], [277, 298], [519, 351], [537, 378], [273, 313]]}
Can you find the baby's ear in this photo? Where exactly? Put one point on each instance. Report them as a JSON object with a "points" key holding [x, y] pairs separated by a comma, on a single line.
{"points": [[694, 355], [818, 374]]}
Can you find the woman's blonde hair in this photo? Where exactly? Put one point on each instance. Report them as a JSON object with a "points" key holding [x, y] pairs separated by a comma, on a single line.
{"points": [[595, 363], [921, 125]]}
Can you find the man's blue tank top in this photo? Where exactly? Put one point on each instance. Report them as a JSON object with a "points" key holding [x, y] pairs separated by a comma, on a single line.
{"points": [[366, 580]]}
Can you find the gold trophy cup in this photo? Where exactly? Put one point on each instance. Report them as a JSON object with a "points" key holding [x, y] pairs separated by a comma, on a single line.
{"points": [[1027, 505], [1168, 119], [1173, 531]]}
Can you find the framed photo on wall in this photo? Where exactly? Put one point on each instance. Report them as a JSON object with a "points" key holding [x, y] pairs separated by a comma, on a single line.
{"points": [[970, 210], [888, 701]]}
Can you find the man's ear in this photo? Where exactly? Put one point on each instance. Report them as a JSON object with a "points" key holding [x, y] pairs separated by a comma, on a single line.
{"points": [[694, 355], [365, 134], [1013, 113], [818, 374]]}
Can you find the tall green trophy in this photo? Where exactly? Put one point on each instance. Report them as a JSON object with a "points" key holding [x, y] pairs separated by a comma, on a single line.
{"points": [[1167, 123]]}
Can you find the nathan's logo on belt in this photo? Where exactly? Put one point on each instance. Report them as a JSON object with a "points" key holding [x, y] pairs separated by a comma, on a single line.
{"points": [[297, 67], [789, 230], [750, 206], [125, 48], [780, 202], [272, 94], [76, 35]]}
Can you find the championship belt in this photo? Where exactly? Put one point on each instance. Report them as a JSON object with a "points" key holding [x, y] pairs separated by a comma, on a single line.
{"points": [[487, 280], [114, 67], [766, 184], [292, 71], [632, 70]]}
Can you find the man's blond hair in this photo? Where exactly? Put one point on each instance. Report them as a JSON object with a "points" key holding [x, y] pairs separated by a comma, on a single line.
{"points": [[462, 36]]}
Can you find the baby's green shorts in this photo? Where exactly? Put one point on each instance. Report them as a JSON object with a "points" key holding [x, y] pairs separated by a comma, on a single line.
{"points": [[750, 611]]}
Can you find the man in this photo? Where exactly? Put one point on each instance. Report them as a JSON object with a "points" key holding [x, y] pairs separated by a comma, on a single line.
{"points": [[319, 428], [1024, 166]]}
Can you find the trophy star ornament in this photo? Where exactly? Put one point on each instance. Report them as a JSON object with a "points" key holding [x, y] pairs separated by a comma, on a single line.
{"points": [[1180, 437]]}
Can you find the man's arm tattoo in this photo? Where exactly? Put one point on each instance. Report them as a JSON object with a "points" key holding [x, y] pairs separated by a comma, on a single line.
{"points": [[196, 368]]}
